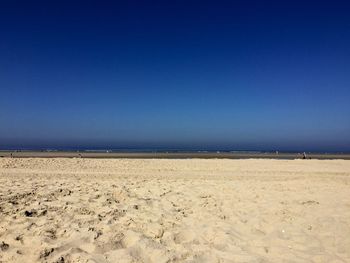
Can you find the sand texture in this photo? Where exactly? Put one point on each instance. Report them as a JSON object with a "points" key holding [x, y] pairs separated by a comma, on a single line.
{"points": [[190, 210]]}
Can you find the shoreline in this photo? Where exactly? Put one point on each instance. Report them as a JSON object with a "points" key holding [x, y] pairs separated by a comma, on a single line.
{"points": [[170, 155]]}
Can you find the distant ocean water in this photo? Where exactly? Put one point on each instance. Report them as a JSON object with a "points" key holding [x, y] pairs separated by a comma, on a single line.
{"points": [[158, 150]]}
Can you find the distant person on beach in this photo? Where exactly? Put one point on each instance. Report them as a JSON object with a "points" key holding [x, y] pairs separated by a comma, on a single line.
{"points": [[304, 155]]}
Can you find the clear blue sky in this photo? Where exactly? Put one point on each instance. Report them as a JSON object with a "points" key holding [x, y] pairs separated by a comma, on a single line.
{"points": [[179, 74]]}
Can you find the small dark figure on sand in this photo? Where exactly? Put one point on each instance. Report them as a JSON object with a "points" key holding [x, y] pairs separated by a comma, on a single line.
{"points": [[304, 155]]}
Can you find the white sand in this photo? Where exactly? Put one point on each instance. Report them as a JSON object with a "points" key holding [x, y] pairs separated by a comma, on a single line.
{"points": [[90, 210]]}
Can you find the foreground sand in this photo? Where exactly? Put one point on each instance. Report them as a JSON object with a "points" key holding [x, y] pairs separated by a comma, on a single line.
{"points": [[123, 210]]}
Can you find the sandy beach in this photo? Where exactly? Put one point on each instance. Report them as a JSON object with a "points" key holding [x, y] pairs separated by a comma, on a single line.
{"points": [[172, 210]]}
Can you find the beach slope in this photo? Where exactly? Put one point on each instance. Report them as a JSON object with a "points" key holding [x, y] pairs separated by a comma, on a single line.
{"points": [[170, 210]]}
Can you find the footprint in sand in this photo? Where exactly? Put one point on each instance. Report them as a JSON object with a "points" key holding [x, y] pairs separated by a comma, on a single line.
{"points": [[184, 236], [4, 246]]}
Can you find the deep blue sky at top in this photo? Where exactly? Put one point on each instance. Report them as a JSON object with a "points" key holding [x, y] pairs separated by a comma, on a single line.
{"points": [[205, 74]]}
